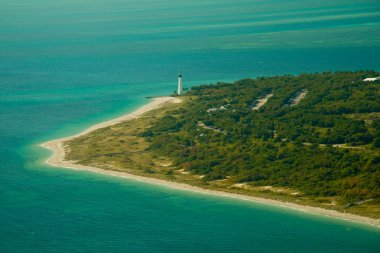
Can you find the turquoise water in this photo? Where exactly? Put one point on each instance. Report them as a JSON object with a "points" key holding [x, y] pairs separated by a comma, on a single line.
{"points": [[65, 65]]}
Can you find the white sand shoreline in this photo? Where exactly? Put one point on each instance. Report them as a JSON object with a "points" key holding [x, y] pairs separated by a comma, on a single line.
{"points": [[57, 160]]}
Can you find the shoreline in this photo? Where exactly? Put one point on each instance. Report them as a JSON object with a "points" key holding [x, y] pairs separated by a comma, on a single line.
{"points": [[57, 159]]}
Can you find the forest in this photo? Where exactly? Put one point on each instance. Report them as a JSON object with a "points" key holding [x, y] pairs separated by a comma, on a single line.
{"points": [[317, 133]]}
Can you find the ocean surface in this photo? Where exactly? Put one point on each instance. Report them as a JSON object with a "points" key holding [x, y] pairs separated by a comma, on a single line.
{"points": [[65, 65]]}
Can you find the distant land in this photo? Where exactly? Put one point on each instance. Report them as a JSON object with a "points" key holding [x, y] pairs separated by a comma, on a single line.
{"points": [[312, 140]]}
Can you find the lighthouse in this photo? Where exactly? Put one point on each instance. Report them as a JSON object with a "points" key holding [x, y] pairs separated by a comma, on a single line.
{"points": [[180, 88]]}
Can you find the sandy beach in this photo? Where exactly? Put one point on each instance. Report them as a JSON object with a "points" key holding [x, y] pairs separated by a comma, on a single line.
{"points": [[58, 160]]}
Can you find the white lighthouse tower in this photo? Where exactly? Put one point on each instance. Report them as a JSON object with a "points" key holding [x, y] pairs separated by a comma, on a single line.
{"points": [[180, 88]]}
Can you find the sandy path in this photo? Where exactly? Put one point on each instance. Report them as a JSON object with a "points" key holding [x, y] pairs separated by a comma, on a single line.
{"points": [[262, 101], [298, 99]]}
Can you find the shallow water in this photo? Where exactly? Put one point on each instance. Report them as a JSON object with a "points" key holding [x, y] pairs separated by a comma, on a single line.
{"points": [[65, 65]]}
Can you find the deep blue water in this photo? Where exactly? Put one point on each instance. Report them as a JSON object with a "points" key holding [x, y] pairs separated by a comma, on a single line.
{"points": [[65, 65]]}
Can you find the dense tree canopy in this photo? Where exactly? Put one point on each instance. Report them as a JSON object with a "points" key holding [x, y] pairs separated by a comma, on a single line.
{"points": [[326, 143]]}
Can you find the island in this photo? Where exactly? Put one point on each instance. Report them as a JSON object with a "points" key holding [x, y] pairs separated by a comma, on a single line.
{"points": [[309, 142]]}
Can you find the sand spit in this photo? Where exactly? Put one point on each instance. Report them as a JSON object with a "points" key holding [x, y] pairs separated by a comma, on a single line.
{"points": [[58, 160]]}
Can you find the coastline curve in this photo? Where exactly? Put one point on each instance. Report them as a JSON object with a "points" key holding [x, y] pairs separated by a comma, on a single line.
{"points": [[57, 159]]}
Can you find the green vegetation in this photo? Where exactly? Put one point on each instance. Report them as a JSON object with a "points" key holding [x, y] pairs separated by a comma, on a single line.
{"points": [[321, 149]]}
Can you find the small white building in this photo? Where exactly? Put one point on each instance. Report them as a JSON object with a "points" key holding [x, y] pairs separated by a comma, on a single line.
{"points": [[371, 79]]}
